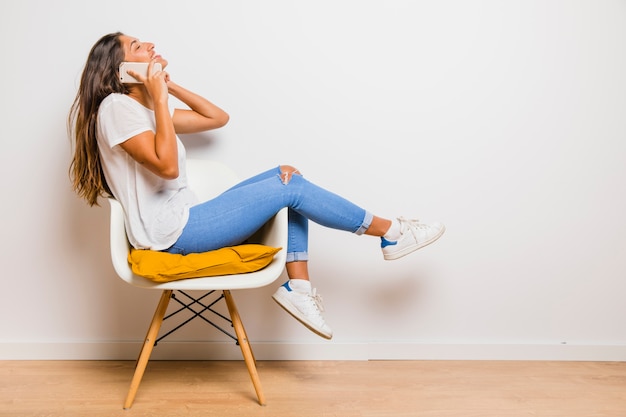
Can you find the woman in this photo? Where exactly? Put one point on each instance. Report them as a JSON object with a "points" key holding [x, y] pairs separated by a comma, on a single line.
{"points": [[126, 145]]}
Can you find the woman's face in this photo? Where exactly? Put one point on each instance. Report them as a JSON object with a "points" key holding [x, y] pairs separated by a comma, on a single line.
{"points": [[137, 51]]}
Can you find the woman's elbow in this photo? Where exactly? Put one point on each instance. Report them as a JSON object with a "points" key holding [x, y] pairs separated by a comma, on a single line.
{"points": [[169, 172], [223, 120]]}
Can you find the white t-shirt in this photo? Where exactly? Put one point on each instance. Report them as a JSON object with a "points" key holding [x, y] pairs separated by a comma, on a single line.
{"points": [[155, 209]]}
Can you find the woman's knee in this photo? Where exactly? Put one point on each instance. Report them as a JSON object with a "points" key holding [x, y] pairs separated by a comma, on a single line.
{"points": [[287, 172]]}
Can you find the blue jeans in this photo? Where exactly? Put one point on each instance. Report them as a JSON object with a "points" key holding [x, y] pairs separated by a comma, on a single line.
{"points": [[233, 216]]}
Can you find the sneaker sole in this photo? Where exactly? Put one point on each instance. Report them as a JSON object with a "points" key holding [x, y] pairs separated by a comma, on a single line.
{"points": [[411, 249], [288, 307]]}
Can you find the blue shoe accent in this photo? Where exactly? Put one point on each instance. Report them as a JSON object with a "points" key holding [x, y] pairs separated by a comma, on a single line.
{"points": [[287, 287], [384, 242]]}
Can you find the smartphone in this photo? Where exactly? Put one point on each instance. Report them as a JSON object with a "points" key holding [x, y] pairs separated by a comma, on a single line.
{"points": [[139, 68]]}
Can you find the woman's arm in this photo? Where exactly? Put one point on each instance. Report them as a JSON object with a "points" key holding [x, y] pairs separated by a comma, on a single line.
{"points": [[158, 152], [203, 115]]}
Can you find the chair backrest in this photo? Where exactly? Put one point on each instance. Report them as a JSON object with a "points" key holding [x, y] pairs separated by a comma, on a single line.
{"points": [[207, 179]]}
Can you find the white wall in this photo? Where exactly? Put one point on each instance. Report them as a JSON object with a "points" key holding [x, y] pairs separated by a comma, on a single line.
{"points": [[503, 119]]}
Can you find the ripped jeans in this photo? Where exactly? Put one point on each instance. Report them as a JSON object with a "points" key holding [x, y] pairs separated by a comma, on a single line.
{"points": [[233, 216]]}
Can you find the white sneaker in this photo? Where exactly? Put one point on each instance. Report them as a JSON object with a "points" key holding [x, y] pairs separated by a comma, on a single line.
{"points": [[415, 235], [305, 307]]}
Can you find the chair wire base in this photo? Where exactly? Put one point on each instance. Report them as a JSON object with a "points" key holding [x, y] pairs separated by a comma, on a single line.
{"points": [[198, 307]]}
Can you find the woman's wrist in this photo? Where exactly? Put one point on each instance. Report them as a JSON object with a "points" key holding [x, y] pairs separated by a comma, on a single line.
{"points": [[174, 89]]}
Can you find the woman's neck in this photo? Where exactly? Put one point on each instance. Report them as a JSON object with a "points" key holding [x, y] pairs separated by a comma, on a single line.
{"points": [[138, 92]]}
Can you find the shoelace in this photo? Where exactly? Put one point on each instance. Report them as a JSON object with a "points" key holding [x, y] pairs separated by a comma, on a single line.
{"points": [[317, 300], [412, 225]]}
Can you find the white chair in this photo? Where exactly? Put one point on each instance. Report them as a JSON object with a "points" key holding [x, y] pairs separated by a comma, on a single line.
{"points": [[207, 179]]}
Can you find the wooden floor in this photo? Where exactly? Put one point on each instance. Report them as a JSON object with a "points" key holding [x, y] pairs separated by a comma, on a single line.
{"points": [[316, 388]]}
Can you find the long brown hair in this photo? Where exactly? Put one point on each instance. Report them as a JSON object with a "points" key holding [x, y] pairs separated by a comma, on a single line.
{"points": [[99, 79]]}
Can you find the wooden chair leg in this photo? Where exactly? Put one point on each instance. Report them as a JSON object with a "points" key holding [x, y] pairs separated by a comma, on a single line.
{"points": [[246, 349], [148, 345]]}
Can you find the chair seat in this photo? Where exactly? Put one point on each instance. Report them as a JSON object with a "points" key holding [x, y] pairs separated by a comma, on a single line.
{"points": [[273, 234], [207, 179]]}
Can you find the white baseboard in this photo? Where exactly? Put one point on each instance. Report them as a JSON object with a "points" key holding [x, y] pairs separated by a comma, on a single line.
{"points": [[311, 351]]}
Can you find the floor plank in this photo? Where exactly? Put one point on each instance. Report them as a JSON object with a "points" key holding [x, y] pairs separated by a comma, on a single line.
{"points": [[316, 388]]}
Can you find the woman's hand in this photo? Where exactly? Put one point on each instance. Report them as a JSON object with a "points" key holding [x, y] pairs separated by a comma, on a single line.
{"points": [[155, 83]]}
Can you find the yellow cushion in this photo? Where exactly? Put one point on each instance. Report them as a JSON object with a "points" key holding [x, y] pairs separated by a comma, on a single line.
{"points": [[164, 267]]}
